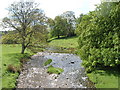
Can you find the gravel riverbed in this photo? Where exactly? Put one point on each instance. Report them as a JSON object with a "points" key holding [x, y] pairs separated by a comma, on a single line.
{"points": [[34, 74]]}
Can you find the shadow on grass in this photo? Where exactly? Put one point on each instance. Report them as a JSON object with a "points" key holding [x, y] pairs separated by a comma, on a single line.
{"points": [[18, 55], [62, 37], [110, 71], [14, 58]]}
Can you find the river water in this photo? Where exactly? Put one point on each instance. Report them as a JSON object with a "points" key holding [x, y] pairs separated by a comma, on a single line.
{"points": [[34, 74]]}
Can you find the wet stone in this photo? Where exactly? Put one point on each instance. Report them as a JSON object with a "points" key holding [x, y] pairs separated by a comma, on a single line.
{"points": [[72, 62]]}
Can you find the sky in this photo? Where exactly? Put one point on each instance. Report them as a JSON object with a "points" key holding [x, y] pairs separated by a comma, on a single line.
{"points": [[53, 8]]}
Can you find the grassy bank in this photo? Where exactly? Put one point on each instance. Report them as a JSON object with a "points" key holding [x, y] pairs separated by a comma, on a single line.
{"points": [[64, 45], [102, 78], [65, 42], [10, 56], [105, 78]]}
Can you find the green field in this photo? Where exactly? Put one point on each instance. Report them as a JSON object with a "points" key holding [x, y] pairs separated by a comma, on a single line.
{"points": [[10, 55], [65, 42]]}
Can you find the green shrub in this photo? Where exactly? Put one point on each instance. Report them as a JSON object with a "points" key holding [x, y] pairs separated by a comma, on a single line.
{"points": [[99, 37], [47, 62]]}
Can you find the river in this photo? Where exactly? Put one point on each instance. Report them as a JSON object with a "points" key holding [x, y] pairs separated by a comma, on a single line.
{"points": [[34, 74]]}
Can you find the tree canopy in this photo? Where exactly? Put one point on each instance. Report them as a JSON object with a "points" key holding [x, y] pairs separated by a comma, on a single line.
{"points": [[63, 25], [25, 18], [59, 27]]}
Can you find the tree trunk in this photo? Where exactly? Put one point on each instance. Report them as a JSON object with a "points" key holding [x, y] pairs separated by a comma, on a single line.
{"points": [[58, 36], [23, 49]]}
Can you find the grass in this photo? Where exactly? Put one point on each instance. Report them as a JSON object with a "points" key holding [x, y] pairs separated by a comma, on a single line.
{"points": [[0, 66], [65, 42], [47, 62], [55, 70], [11, 56], [64, 45], [105, 78]]}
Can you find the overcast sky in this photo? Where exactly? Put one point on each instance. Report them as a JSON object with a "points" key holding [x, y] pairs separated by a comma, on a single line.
{"points": [[53, 8]]}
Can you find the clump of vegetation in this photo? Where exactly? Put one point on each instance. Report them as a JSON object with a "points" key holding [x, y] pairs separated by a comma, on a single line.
{"points": [[24, 60], [47, 62], [13, 69], [99, 37], [55, 70], [52, 69]]}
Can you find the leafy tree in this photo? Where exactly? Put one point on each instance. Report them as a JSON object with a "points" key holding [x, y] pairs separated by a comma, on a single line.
{"points": [[79, 19], [71, 20], [59, 27], [23, 17], [9, 39], [99, 37]]}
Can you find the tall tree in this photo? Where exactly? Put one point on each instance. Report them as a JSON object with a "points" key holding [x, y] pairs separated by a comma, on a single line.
{"points": [[59, 27], [23, 17], [70, 16]]}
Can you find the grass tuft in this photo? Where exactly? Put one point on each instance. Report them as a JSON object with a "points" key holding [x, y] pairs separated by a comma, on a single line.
{"points": [[55, 70], [24, 60], [12, 68], [47, 62]]}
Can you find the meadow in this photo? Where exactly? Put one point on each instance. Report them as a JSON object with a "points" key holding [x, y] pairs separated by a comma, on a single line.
{"points": [[70, 42], [11, 56]]}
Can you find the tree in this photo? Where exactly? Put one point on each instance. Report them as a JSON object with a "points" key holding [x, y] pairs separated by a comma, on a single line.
{"points": [[99, 33], [79, 19], [59, 27], [71, 20], [10, 38], [23, 17]]}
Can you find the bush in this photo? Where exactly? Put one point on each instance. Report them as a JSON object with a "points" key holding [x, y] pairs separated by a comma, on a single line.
{"points": [[99, 37]]}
